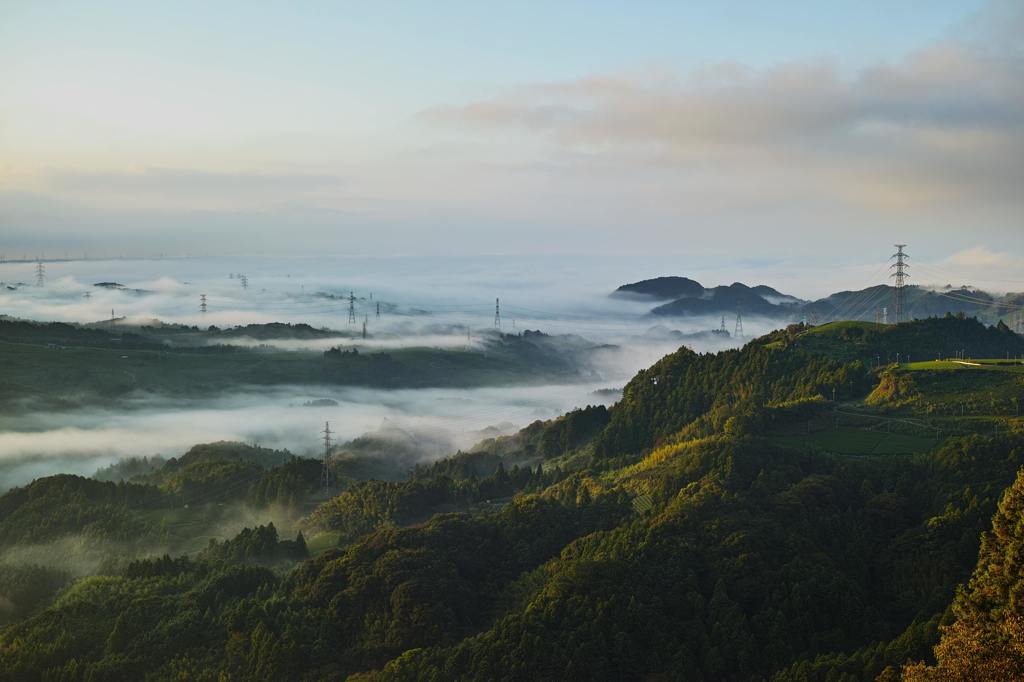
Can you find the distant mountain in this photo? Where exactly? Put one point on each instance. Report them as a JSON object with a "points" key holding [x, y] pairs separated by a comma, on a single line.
{"points": [[661, 289], [774, 295], [687, 297], [725, 299], [660, 332], [920, 302]]}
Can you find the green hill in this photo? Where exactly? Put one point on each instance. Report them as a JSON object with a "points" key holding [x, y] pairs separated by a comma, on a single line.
{"points": [[56, 366], [917, 340], [985, 640], [731, 518]]}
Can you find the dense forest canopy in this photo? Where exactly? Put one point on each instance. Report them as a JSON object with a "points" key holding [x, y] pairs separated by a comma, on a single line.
{"points": [[799, 509], [90, 365]]}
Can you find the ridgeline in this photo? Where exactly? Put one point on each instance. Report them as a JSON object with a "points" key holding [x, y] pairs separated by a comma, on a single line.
{"points": [[803, 508]]}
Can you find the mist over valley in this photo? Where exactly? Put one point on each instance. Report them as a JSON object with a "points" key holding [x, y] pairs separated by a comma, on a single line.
{"points": [[532, 342]]}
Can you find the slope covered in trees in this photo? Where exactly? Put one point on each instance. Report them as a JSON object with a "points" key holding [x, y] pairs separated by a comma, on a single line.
{"points": [[85, 366], [985, 642], [702, 528]]}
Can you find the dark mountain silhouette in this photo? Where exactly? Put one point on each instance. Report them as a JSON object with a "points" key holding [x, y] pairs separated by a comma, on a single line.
{"points": [[661, 289], [774, 295], [687, 297], [921, 302], [723, 299]]}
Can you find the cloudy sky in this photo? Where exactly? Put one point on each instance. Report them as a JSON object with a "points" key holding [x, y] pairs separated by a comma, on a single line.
{"points": [[786, 132]]}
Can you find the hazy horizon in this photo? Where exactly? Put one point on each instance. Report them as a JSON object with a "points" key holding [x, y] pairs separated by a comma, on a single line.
{"points": [[812, 136]]}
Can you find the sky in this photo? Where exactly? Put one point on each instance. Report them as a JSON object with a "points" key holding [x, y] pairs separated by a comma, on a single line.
{"points": [[802, 135]]}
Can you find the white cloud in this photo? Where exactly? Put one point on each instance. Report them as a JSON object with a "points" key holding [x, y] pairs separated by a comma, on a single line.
{"points": [[943, 126], [804, 153], [980, 256]]}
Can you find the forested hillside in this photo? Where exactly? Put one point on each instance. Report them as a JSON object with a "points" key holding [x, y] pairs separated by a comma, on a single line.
{"points": [[86, 366], [795, 510], [985, 640]]}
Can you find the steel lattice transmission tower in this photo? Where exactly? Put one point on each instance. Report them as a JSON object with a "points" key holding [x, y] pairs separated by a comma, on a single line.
{"points": [[325, 472], [902, 272], [40, 274], [202, 303], [351, 307], [497, 314], [738, 331]]}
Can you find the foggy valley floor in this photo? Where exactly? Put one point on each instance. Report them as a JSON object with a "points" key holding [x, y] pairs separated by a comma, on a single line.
{"points": [[527, 342], [738, 500]]}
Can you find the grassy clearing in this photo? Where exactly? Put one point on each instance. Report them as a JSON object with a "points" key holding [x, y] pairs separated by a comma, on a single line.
{"points": [[841, 325], [976, 365], [985, 390]]}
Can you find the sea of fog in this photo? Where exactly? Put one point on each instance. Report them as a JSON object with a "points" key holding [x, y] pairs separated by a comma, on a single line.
{"points": [[556, 294], [435, 302]]}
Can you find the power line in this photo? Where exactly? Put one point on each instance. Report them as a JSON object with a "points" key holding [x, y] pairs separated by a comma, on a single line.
{"points": [[962, 298], [857, 298], [325, 472], [901, 274], [870, 303]]}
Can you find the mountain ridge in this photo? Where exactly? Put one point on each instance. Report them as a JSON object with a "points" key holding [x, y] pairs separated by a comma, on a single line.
{"points": [[681, 297]]}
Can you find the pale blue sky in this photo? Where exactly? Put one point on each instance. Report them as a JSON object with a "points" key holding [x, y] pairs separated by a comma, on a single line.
{"points": [[527, 126], [419, 52]]}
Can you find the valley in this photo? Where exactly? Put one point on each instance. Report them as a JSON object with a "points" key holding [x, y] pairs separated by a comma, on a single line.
{"points": [[752, 495]]}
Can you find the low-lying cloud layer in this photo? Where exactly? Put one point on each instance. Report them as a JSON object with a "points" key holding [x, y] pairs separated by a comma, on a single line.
{"points": [[448, 419], [423, 302]]}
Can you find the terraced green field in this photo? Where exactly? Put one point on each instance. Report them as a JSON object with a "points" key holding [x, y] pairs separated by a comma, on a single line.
{"points": [[988, 364], [844, 325]]}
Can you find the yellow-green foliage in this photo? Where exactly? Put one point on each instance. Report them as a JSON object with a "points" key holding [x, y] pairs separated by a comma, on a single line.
{"points": [[986, 641], [641, 477], [895, 388]]}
